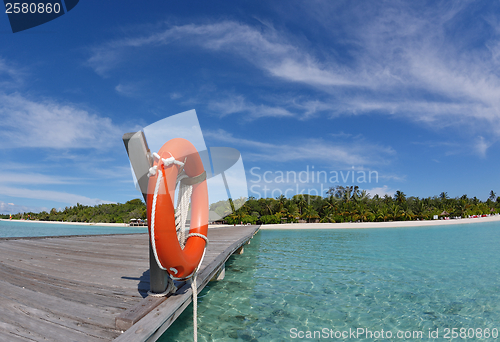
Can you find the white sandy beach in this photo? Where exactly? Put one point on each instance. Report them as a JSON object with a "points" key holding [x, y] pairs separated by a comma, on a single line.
{"points": [[349, 225], [391, 224], [73, 223]]}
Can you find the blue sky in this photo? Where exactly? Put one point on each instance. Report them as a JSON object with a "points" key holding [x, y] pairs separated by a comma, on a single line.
{"points": [[410, 90]]}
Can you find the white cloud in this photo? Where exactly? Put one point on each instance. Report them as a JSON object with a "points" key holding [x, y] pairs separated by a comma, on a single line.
{"points": [[35, 178], [10, 76], [238, 104], [310, 72], [175, 96], [402, 62], [48, 124], [49, 195], [357, 153], [11, 208], [265, 48], [381, 191], [482, 146], [129, 90]]}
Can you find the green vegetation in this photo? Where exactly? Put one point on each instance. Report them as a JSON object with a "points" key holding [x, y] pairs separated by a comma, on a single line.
{"points": [[343, 204], [351, 204], [103, 213]]}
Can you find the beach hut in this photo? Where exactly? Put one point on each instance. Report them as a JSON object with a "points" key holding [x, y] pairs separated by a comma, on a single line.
{"points": [[214, 218], [445, 215]]}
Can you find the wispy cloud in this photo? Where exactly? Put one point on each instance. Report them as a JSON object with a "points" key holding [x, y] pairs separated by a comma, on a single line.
{"points": [[175, 96], [381, 191], [403, 62], [48, 195], [48, 124], [478, 146], [238, 104], [35, 178], [10, 76], [357, 153], [12, 208], [265, 47], [482, 146], [127, 89]]}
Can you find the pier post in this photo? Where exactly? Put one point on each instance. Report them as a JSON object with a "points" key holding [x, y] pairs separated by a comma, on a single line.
{"points": [[138, 153], [221, 273]]}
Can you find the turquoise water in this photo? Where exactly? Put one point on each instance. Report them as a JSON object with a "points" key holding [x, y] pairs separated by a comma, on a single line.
{"points": [[16, 228], [408, 280]]}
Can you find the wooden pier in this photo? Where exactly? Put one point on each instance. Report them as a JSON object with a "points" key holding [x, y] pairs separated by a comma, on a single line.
{"points": [[94, 288]]}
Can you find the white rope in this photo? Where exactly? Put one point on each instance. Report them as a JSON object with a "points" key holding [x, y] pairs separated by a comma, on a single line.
{"points": [[194, 288], [185, 192], [171, 288], [153, 216]]}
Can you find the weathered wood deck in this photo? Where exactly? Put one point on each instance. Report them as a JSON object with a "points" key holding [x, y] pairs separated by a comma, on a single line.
{"points": [[80, 288]]}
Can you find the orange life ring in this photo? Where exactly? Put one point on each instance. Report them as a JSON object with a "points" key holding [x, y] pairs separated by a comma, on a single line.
{"points": [[179, 263]]}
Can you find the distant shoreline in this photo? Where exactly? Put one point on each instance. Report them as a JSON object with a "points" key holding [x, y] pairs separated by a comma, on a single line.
{"points": [[391, 224], [347, 225], [74, 223]]}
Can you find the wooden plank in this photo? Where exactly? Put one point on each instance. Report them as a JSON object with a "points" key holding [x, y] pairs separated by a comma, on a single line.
{"points": [[38, 325], [151, 326], [101, 316], [56, 289], [11, 333], [138, 311], [73, 288]]}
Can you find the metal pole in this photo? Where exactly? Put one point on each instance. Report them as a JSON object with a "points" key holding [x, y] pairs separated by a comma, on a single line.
{"points": [[138, 153]]}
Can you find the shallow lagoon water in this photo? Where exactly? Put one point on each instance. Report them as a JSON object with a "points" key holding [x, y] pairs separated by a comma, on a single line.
{"points": [[16, 228], [408, 280]]}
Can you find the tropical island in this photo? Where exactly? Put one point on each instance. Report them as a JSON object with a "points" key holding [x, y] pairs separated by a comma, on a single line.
{"points": [[341, 204], [351, 204], [102, 213]]}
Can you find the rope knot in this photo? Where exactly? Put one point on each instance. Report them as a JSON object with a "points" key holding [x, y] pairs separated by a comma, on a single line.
{"points": [[152, 171], [166, 162], [171, 161]]}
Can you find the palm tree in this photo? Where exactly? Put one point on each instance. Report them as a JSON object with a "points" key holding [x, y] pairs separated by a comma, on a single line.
{"points": [[347, 194], [462, 208], [268, 202], [395, 212], [363, 196], [356, 193], [400, 197], [310, 213], [444, 199], [406, 213], [330, 204], [383, 213], [293, 211], [364, 214], [420, 209], [279, 206], [493, 196], [301, 202]]}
